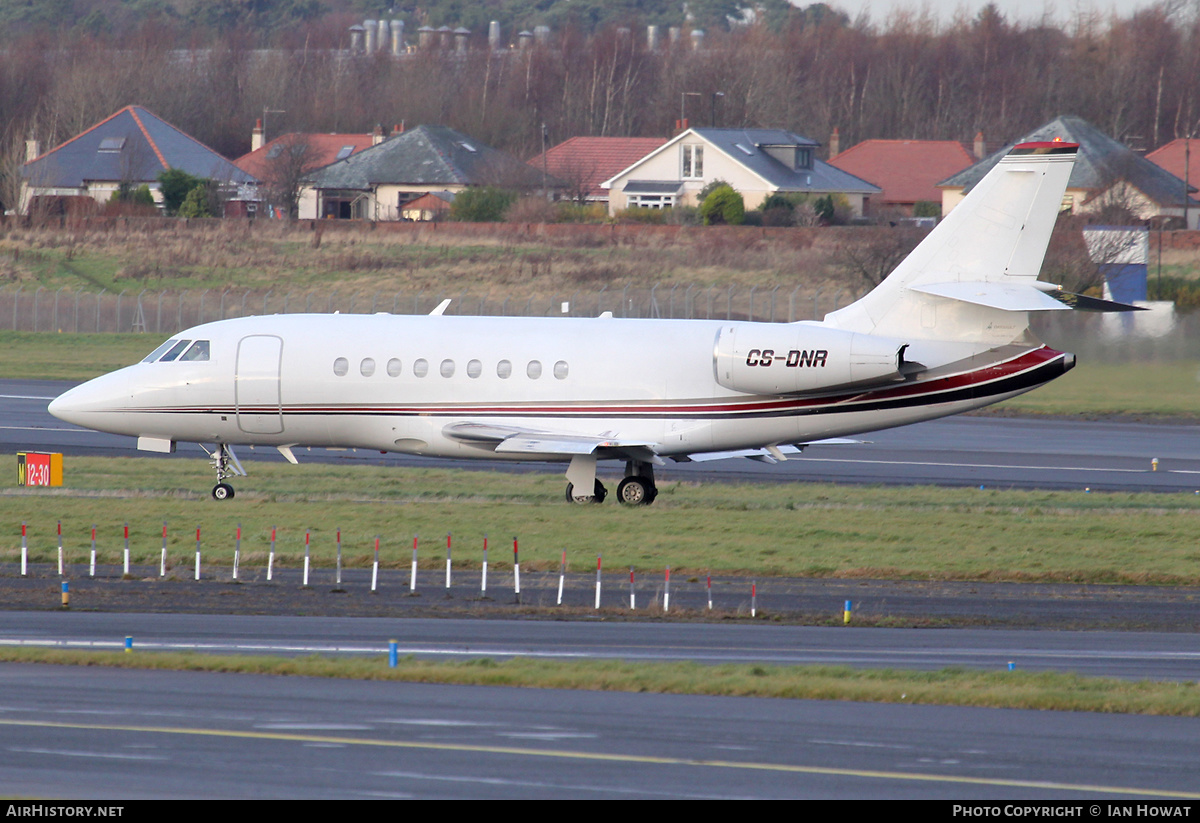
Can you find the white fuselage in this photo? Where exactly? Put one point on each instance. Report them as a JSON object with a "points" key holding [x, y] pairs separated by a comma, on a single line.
{"points": [[356, 381]]}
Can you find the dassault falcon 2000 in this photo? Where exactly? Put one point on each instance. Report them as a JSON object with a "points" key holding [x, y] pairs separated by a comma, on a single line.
{"points": [[946, 332]]}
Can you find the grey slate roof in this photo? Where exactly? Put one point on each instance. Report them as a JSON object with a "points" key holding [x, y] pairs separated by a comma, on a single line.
{"points": [[427, 156], [133, 145], [822, 177], [1101, 162]]}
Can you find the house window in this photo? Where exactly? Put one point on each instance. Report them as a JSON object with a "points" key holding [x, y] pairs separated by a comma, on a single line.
{"points": [[651, 201], [693, 162], [804, 158]]}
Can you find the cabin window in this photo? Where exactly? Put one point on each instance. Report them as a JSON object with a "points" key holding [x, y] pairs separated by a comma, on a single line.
{"points": [[693, 162], [197, 353], [175, 351], [421, 367], [504, 369], [474, 369], [341, 367], [534, 369], [367, 366], [393, 367], [560, 370], [447, 368], [157, 353]]}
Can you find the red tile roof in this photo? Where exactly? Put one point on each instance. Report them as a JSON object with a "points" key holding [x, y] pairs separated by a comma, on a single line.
{"points": [[586, 162], [906, 170], [1173, 157], [325, 148]]}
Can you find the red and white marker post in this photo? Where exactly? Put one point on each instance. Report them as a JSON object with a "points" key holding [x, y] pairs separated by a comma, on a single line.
{"points": [[412, 577], [197, 552], [307, 535], [162, 558], [60, 550], [237, 550], [92, 565], [483, 578], [271, 555], [375, 566], [598, 557]]}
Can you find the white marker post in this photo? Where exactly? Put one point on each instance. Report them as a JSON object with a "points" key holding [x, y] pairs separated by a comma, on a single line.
{"points": [[24, 550], [710, 592], [197, 552], [339, 576], [753, 598], [125, 563], [483, 579], [562, 572], [60, 551], [307, 532], [375, 565], [667, 592], [412, 577], [237, 550], [447, 561], [516, 570], [162, 559], [271, 555], [598, 581], [632, 596], [92, 567]]}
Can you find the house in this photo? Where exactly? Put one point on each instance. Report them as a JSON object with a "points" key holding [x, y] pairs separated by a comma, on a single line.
{"points": [[376, 183], [428, 207], [1106, 174], [908, 171], [281, 164], [584, 163], [755, 162], [1180, 157], [128, 149]]}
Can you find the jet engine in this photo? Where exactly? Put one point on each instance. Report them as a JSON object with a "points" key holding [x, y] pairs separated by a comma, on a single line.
{"points": [[766, 358]]}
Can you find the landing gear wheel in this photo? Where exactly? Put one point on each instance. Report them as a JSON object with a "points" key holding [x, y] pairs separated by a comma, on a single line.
{"points": [[636, 491], [599, 492], [222, 491]]}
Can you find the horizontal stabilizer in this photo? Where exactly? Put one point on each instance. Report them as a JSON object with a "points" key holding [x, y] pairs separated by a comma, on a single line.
{"points": [[1081, 302], [1004, 296]]}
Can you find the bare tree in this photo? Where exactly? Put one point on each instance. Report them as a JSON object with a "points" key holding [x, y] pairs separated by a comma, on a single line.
{"points": [[289, 160]]}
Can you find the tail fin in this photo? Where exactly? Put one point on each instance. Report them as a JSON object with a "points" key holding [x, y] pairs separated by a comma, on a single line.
{"points": [[974, 277]]}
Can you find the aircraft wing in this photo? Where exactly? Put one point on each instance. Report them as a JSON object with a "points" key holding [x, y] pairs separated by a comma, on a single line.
{"points": [[535, 442], [770, 454]]}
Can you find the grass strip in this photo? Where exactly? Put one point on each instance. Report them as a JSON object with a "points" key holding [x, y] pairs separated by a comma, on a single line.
{"points": [[1050, 691], [766, 529]]}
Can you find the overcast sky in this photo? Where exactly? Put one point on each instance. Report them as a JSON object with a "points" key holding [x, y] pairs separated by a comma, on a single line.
{"points": [[1014, 10]]}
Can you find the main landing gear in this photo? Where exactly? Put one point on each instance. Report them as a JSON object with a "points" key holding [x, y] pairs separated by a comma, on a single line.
{"points": [[226, 464], [637, 489]]}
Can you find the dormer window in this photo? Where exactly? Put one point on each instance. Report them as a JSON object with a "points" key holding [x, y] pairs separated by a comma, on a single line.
{"points": [[693, 162]]}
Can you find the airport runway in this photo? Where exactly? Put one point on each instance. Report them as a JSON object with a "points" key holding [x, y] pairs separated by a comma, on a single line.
{"points": [[89, 733], [956, 451], [67, 732]]}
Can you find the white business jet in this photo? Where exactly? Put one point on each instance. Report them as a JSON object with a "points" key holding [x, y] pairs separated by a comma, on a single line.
{"points": [[946, 332]]}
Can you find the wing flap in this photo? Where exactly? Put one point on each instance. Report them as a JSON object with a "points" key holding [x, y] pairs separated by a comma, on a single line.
{"points": [[516, 440]]}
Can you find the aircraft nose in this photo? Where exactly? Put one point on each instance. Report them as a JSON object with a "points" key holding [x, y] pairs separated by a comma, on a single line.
{"points": [[84, 404]]}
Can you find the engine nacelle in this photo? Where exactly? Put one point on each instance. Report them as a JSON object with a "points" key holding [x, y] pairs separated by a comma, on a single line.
{"points": [[768, 358]]}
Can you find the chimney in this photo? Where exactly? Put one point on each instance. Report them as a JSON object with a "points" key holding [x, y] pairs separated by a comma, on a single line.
{"points": [[398, 129], [681, 126], [370, 30], [397, 27], [980, 146], [377, 135], [256, 136], [835, 144], [33, 150]]}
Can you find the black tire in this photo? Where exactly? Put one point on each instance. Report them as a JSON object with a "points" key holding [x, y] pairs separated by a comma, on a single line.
{"points": [[222, 491], [636, 491], [599, 492]]}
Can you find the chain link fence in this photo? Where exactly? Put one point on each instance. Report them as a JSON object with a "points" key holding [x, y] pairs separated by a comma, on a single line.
{"points": [[165, 312], [1162, 334]]}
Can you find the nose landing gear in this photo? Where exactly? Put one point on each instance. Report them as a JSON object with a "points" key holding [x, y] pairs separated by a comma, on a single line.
{"points": [[226, 464]]}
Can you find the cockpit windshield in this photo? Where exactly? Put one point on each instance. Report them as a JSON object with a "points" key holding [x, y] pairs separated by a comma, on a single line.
{"points": [[184, 350]]}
